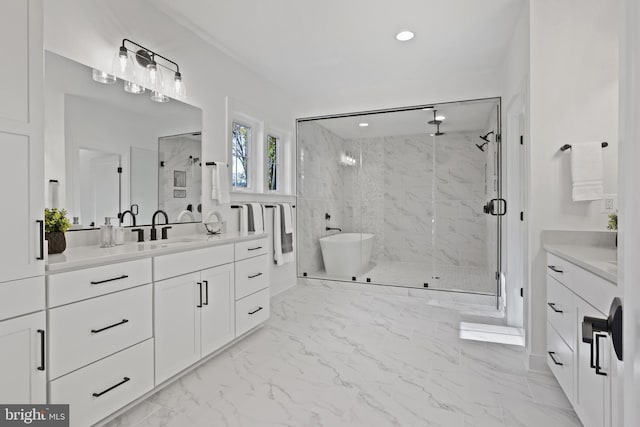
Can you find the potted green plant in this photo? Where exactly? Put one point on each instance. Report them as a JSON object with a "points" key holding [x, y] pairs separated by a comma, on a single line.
{"points": [[55, 225], [613, 224]]}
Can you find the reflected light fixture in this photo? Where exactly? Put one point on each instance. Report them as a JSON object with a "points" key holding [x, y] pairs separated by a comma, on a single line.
{"points": [[103, 77], [363, 124], [404, 36]]}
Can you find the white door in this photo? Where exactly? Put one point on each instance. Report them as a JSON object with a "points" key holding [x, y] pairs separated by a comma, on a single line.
{"points": [[593, 389], [176, 324], [218, 317], [629, 225], [21, 136], [22, 362]]}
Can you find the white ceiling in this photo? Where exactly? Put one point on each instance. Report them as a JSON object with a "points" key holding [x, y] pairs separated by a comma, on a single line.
{"points": [[459, 117], [312, 48]]}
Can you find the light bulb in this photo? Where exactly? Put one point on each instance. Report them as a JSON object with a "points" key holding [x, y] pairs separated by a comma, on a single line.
{"points": [[123, 65], [179, 87], [152, 68], [102, 77], [134, 88]]}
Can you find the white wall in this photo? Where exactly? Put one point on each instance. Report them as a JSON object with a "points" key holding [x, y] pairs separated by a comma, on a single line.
{"points": [[573, 98], [90, 31]]}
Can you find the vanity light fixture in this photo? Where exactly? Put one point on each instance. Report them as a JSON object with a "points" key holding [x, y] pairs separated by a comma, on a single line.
{"points": [[404, 36], [145, 72]]}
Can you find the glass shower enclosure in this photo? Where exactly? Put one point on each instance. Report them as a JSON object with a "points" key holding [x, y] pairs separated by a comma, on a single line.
{"points": [[405, 197]]}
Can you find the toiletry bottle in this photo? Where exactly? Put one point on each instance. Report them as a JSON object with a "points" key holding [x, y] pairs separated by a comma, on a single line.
{"points": [[118, 235], [106, 234]]}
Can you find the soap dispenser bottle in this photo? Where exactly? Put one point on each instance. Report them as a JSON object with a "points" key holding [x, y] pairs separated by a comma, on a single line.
{"points": [[106, 234]]}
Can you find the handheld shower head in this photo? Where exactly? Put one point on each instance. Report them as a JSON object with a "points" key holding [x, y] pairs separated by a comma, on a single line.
{"points": [[485, 138]]}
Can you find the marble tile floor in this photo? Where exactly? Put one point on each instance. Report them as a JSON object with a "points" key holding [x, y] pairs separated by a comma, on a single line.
{"points": [[345, 356]]}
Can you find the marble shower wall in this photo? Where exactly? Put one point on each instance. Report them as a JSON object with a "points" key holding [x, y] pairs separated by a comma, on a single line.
{"points": [[320, 190], [175, 152]]}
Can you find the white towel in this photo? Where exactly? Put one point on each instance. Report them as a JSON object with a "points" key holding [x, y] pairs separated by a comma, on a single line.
{"points": [[258, 217], [244, 219], [278, 257], [288, 224], [220, 183], [586, 171]]}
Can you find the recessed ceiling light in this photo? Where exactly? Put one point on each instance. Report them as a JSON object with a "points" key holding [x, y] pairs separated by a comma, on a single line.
{"points": [[404, 36], [363, 125], [440, 118]]}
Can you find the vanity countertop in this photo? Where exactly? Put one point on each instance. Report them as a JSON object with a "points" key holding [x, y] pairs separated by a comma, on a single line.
{"points": [[89, 256], [599, 260]]}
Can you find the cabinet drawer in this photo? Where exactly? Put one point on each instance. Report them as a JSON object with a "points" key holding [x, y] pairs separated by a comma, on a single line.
{"points": [[561, 311], [558, 268], [560, 360], [86, 331], [252, 275], [180, 263], [98, 390], [20, 297], [251, 248], [252, 311], [77, 285]]}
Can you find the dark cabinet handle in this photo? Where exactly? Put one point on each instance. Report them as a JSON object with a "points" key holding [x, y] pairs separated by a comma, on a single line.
{"points": [[254, 276], [200, 286], [553, 307], [97, 331], [124, 276], [554, 268], [255, 311], [254, 249], [598, 367], [552, 356], [41, 226], [124, 380], [42, 349], [206, 292]]}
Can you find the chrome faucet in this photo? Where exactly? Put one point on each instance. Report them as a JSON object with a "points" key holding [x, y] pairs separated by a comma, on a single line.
{"points": [[130, 212], [154, 234]]}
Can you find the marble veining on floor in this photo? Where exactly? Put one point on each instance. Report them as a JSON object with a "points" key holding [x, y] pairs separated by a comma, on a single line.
{"points": [[350, 357]]}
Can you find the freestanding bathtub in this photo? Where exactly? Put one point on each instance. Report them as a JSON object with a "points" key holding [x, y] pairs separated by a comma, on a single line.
{"points": [[346, 255]]}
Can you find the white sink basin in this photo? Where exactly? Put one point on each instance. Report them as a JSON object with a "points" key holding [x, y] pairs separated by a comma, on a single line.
{"points": [[159, 244]]}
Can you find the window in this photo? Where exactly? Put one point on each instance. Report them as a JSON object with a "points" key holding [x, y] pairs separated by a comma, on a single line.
{"points": [[241, 143], [273, 159]]}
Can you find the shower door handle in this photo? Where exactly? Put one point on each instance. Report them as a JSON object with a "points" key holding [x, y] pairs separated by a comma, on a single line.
{"points": [[501, 203]]}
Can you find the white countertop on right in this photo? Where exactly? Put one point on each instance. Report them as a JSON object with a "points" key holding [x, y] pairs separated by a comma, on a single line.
{"points": [[599, 260]]}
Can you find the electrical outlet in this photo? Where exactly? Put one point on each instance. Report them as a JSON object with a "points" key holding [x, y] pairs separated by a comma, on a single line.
{"points": [[609, 203]]}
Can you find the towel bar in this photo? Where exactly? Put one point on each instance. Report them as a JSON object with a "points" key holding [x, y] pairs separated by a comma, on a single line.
{"points": [[266, 206], [566, 147], [212, 164]]}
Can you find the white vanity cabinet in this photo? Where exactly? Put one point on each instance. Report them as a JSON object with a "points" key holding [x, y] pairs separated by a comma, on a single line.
{"points": [[583, 370], [194, 310]]}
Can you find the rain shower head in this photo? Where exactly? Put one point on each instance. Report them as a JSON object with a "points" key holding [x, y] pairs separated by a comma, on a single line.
{"points": [[481, 147], [485, 138]]}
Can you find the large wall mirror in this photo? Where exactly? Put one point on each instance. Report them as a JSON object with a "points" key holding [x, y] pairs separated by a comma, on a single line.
{"points": [[108, 151]]}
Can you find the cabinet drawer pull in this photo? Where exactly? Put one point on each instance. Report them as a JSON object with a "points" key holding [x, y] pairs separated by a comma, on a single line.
{"points": [[96, 331], [553, 307], [124, 276], [254, 276], [598, 367], [255, 311], [206, 292], [552, 356], [254, 249], [200, 304], [42, 349], [554, 268], [41, 227], [124, 380]]}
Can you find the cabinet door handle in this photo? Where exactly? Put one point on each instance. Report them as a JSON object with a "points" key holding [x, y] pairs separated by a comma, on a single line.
{"points": [[254, 276], [42, 349], [554, 268], [553, 307], [200, 304], [206, 292], [598, 367], [124, 380], [254, 249], [41, 227], [553, 357], [255, 311], [98, 282], [97, 331]]}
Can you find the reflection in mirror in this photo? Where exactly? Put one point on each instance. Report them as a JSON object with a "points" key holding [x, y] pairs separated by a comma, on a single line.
{"points": [[180, 177], [101, 145]]}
